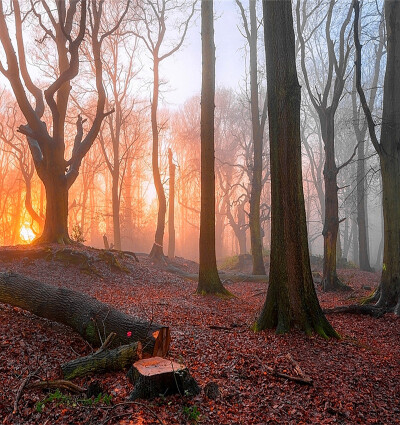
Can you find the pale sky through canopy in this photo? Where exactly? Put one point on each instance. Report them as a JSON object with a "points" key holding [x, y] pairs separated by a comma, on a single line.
{"points": [[183, 69]]}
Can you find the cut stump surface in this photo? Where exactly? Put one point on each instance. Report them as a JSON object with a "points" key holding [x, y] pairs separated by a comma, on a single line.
{"points": [[157, 376]]}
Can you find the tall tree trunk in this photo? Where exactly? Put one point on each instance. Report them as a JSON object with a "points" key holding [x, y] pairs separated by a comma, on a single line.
{"points": [[157, 252], [171, 207], [115, 209], [209, 281], [361, 208], [291, 297], [330, 280], [356, 245], [389, 154], [257, 132]]}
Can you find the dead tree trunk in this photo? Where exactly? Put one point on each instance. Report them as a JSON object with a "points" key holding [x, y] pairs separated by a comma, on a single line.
{"points": [[92, 319], [103, 361]]}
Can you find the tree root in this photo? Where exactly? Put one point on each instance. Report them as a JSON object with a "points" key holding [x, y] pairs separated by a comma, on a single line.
{"points": [[369, 310]]}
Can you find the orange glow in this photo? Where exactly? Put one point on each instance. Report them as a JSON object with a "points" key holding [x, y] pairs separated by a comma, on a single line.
{"points": [[26, 233]]}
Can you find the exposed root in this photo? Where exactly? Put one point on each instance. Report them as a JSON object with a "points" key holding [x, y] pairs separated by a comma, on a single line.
{"points": [[111, 258], [369, 310], [336, 286]]}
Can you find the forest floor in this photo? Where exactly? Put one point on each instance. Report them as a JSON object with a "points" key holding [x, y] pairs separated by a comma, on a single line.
{"points": [[355, 379]]}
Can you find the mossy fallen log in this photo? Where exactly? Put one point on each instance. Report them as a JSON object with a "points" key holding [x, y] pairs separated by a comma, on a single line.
{"points": [[92, 319], [103, 361]]}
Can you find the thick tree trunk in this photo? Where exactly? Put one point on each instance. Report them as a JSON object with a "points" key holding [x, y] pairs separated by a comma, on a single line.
{"points": [[56, 222], [291, 299], [390, 280], [388, 150], [89, 317], [209, 281]]}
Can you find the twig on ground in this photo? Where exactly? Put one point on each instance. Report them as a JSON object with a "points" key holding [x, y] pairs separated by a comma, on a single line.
{"points": [[24, 383]]}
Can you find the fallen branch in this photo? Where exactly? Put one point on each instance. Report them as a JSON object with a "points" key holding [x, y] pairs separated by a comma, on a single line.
{"points": [[107, 342], [24, 383], [303, 379], [58, 383]]}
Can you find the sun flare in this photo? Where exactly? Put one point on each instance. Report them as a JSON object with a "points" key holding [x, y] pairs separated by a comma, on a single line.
{"points": [[26, 234]]}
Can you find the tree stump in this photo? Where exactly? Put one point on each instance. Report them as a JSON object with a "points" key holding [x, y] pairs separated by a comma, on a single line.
{"points": [[156, 376]]}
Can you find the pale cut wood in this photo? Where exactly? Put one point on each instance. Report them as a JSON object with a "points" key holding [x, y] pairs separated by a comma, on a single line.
{"points": [[157, 376]]}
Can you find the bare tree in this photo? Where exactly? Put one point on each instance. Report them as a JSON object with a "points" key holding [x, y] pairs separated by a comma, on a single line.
{"points": [[209, 281], [388, 292], [326, 105], [360, 129], [291, 298], [258, 123], [153, 14], [47, 143]]}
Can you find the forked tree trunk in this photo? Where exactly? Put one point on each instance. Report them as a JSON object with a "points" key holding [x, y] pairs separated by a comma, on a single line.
{"points": [[291, 299], [92, 319]]}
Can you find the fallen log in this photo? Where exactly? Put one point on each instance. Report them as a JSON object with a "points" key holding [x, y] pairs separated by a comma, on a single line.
{"points": [[103, 361], [92, 319], [233, 277], [157, 376]]}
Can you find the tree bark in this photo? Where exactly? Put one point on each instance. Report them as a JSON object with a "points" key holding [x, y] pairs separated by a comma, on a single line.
{"points": [[291, 299], [389, 155], [157, 251], [257, 132], [209, 281], [171, 207], [330, 280], [103, 361], [92, 319], [55, 228]]}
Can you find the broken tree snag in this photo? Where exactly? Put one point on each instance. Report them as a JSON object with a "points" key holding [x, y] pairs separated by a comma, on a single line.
{"points": [[92, 319], [157, 376], [103, 361]]}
